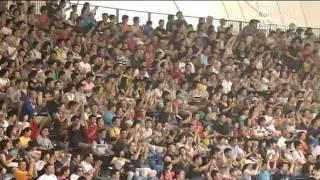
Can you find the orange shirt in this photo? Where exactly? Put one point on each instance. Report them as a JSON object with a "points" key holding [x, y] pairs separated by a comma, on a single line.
{"points": [[125, 27], [21, 175]]}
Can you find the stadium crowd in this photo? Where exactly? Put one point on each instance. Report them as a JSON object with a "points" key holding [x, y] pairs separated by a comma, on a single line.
{"points": [[86, 99]]}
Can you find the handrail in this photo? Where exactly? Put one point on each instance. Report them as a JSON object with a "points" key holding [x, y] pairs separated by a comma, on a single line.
{"points": [[237, 23], [139, 11], [240, 24]]}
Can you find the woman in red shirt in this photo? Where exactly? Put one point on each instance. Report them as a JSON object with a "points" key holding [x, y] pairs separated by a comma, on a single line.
{"points": [[43, 18], [91, 129], [168, 174]]}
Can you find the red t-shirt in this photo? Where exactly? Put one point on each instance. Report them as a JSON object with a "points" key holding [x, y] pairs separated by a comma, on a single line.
{"points": [[131, 44], [63, 35], [44, 21], [91, 133]]}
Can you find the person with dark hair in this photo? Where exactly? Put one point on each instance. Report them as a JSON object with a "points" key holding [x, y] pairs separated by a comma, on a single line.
{"points": [[90, 168], [298, 154], [197, 169], [65, 173], [124, 26], [49, 173], [25, 137], [43, 139]]}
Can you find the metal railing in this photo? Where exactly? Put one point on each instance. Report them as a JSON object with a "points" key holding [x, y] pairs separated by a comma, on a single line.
{"points": [[154, 16], [237, 25]]}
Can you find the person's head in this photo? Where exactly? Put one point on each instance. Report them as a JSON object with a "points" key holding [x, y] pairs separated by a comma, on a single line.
{"points": [[76, 157], [124, 133], [215, 174], [5, 144], [181, 174], [22, 165], [136, 20], [26, 132], [214, 152], [49, 169], [125, 18], [82, 178], [133, 147], [105, 16], [116, 121], [115, 174], [65, 171], [79, 171], [148, 123], [45, 132], [262, 121], [179, 15], [102, 133], [161, 23], [284, 167], [227, 152], [16, 144], [92, 119], [298, 145], [197, 159], [88, 158]]}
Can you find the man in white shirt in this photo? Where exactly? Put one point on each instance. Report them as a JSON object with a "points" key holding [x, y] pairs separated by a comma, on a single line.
{"points": [[100, 146], [226, 83], [236, 150], [77, 174], [298, 153], [84, 65], [49, 173], [88, 169]]}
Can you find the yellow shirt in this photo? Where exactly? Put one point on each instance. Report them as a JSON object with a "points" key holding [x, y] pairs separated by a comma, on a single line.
{"points": [[61, 53], [114, 132], [24, 141], [306, 66]]}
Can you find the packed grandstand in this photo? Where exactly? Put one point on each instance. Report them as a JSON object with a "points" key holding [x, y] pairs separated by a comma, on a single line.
{"points": [[85, 99]]}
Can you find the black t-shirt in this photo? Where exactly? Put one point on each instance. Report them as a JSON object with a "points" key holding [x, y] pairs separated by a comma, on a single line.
{"points": [[189, 76], [51, 107], [119, 145], [194, 175], [279, 176], [314, 132], [221, 128], [134, 163], [76, 136], [161, 30], [179, 23], [293, 51]]}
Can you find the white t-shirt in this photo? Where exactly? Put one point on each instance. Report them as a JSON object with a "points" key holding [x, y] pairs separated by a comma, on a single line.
{"points": [[48, 177], [298, 155], [74, 177], [226, 86], [11, 50], [6, 31], [4, 82], [84, 67], [86, 166]]}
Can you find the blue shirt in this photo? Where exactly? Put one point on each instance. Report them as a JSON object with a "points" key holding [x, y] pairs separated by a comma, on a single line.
{"points": [[107, 117], [28, 108], [264, 175]]}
